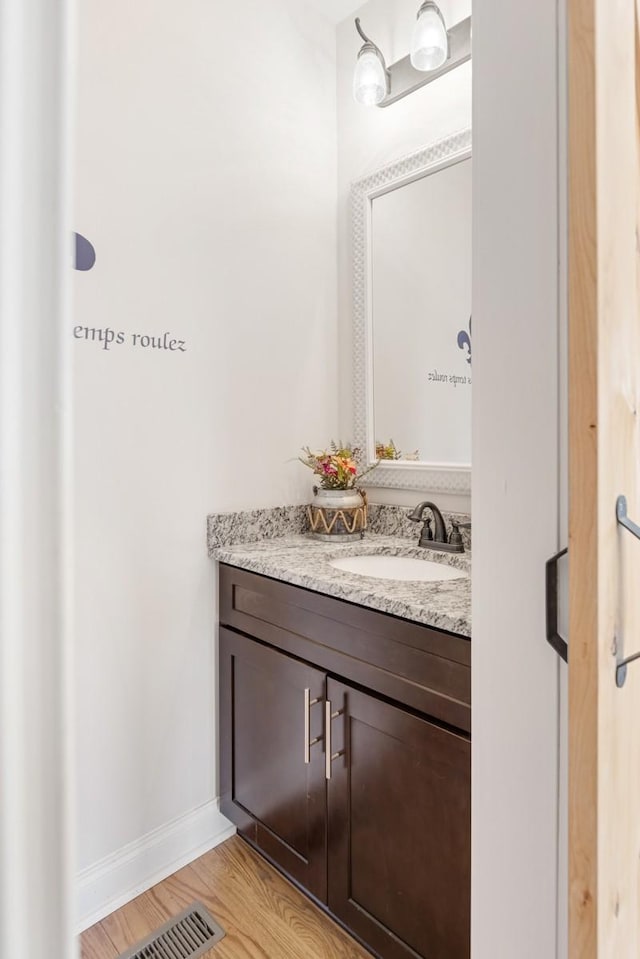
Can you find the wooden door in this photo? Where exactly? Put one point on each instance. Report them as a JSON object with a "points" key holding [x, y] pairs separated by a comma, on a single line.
{"points": [[276, 799], [604, 387], [399, 829]]}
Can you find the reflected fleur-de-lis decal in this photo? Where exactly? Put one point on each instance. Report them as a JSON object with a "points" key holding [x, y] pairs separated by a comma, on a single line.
{"points": [[464, 341]]}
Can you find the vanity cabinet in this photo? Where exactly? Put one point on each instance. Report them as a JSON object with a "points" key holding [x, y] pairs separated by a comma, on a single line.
{"points": [[276, 800], [377, 829]]}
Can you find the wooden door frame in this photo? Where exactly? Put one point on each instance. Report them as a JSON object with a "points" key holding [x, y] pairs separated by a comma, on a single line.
{"points": [[604, 386]]}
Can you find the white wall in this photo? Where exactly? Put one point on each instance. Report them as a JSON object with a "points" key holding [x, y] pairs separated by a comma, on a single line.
{"points": [[516, 306], [206, 180], [371, 138]]}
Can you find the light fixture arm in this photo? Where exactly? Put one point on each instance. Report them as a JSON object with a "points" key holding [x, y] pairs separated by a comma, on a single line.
{"points": [[370, 43], [361, 31]]}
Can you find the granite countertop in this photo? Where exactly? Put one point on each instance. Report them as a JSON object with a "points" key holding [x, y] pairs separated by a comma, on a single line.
{"points": [[303, 561]]}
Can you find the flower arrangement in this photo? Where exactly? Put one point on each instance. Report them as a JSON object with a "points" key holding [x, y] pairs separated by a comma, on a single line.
{"points": [[389, 451], [337, 467]]}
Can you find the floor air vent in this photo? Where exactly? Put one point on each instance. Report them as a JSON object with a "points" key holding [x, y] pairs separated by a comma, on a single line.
{"points": [[187, 936]]}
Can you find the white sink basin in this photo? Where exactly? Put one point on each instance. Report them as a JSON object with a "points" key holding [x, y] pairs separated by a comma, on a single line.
{"points": [[398, 567]]}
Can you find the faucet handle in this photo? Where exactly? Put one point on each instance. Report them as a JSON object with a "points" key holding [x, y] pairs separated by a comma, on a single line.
{"points": [[426, 533], [455, 537]]}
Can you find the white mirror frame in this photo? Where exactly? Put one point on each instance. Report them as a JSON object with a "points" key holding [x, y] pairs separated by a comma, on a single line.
{"points": [[399, 474]]}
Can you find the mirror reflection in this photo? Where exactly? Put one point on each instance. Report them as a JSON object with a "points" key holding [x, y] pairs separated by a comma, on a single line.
{"points": [[420, 315]]}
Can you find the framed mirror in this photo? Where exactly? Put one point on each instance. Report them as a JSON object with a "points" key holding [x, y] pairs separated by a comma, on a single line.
{"points": [[412, 319]]}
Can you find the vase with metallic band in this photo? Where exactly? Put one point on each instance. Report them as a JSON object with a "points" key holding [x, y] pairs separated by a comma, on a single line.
{"points": [[337, 514]]}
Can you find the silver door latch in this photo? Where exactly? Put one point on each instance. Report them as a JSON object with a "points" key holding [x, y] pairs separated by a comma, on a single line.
{"points": [[623, 520]]}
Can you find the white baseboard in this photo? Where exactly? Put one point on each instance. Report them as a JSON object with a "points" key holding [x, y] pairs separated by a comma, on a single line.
{"points": [[120, 877]]}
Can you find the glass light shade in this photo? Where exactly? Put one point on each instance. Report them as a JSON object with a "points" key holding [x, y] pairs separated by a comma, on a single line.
{"points": [[369, 79], [429, 44]]}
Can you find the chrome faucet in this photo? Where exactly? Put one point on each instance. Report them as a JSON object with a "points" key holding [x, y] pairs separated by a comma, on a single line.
{"points": [[437, 538]]}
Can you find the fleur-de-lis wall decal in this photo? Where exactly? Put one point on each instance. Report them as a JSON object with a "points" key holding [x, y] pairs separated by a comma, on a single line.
{"points": [[85, 254], [464, 341]]}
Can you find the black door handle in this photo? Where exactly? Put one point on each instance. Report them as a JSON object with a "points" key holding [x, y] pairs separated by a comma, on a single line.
{"points": [[554, 638]]}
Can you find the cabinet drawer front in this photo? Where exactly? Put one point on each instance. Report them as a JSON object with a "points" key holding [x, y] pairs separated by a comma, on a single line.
{"points": [[424, 668], [399, 802], [277, 800]]}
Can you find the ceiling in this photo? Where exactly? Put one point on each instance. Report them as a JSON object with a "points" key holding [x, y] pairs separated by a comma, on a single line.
{"points": [[336, 10]]}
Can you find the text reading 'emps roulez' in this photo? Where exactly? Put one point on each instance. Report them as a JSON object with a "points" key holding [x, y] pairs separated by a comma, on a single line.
{"points": [[106, 339]]}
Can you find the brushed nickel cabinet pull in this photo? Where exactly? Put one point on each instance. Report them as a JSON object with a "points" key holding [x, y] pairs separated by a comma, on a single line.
{"points": [[308, 703], [329, 756]]}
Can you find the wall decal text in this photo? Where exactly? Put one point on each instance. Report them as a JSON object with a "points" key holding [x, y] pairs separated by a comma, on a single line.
{"points": [[453, 379], [107, 338]]}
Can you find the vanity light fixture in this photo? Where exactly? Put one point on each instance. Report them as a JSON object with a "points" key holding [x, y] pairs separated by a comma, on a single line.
{"points": [[434, 51], [371, 80], [430, 41]]}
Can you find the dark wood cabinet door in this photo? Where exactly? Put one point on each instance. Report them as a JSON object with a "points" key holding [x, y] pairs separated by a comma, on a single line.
{"points": [[399, 802], [277, 801]]}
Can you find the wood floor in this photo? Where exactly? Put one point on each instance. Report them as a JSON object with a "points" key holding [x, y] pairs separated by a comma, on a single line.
{"points": [[263, 915]]}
